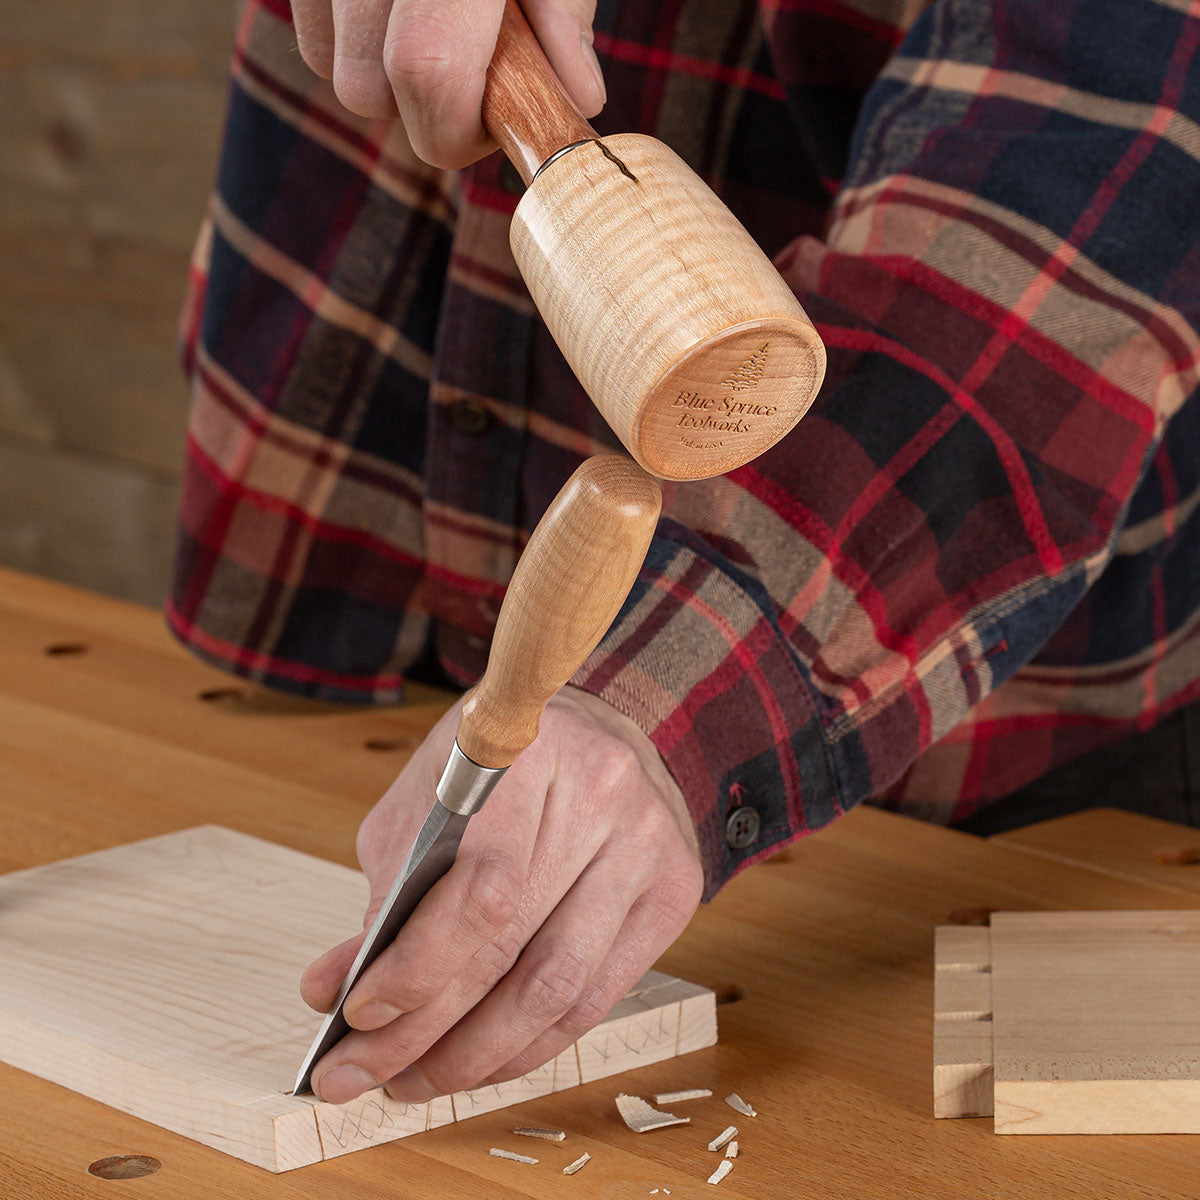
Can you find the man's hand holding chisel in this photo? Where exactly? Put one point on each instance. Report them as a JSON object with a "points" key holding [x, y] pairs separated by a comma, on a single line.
{"points": [[572, 879]]}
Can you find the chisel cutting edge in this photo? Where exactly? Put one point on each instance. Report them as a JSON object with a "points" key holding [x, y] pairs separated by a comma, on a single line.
{"points": [[461, 791], [569, 584]]}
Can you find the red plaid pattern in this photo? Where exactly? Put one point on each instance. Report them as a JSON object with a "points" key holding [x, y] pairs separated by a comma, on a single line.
{"points": [[977, 557]]}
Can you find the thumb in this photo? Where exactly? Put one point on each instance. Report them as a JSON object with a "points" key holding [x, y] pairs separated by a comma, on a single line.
{"points": [[564, 29], [323, 978]]}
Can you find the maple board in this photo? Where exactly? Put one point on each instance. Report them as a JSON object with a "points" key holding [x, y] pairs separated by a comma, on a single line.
{"points": [[161, 978], [1070, 1022]]}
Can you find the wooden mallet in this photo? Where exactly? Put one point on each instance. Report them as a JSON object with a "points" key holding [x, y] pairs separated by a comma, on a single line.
{"points": [[676, 323]]}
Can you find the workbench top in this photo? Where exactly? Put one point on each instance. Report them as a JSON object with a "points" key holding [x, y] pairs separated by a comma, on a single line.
{"points": [[822, 957]]}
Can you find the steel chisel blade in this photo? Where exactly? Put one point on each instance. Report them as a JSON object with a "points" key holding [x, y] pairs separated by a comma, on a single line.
{"points": [[431, 856]]}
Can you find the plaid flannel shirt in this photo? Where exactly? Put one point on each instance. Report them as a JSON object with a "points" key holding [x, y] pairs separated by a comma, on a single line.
{"points": [[977, 557]]}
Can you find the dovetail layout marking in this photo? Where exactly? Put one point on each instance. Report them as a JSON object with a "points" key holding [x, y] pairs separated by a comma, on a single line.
{"points": [[192, 944]]}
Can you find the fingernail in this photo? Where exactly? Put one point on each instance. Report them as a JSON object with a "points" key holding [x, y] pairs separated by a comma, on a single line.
{"points": [[372, 1015], [410, 1087], [343, 1083], [589, 56]]}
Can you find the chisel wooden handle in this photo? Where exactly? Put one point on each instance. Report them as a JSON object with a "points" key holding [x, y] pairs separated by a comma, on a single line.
{"points": [[570, 582], [676, 323]]}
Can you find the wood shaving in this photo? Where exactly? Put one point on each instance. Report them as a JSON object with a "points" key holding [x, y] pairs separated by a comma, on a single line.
{"points": [[676, 1097], [723, 1139], [731, 1151], [571, 1168], [547, 1135], [498, 1153], [723, 1169], [739, 1105], [642, 1117]]}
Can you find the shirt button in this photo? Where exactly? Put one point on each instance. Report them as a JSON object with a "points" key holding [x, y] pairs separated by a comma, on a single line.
{"points": [[469, 416], [742, 826]]}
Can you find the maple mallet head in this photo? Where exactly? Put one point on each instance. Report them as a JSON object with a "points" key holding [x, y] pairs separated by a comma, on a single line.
{"points": [[676, 323]]}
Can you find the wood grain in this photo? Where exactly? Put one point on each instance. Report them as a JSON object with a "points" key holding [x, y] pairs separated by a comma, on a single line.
{"points": [[823, 956], [570, 581], [962, 1022], [680, 328], [1123, 844], [1095, 1022], [1092, 1023], [191, 945], [109, 118]]}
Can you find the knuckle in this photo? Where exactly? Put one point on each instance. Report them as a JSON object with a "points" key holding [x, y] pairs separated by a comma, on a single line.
{"points": [[394, 1052], [494, 959], [362, 87], [618, 768], [586, 1013], [411, 985], [675, 898], [554, 985], [492, 895], [419, 57], [316, 53], [527, 1061]]}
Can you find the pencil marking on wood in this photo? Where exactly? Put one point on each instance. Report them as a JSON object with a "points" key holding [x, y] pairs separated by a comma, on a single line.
{"points": [[364, 1120], [213, 1011]]}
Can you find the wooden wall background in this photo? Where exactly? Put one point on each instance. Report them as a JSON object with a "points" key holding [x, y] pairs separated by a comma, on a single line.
{"points": [[110, 114]]}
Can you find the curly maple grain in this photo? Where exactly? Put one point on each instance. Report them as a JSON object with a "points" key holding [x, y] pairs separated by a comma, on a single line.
{"points": [[680, 328], [570, 582]]}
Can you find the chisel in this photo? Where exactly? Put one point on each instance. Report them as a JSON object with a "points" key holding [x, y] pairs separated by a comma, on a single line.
{"points": [[569, 584]]}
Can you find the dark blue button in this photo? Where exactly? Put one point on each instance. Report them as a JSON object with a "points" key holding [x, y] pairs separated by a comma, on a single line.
{"points": [[742, 826], [470, 417]]}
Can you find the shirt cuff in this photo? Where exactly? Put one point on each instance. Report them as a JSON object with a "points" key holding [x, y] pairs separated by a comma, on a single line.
{"points": [[697, 659]]}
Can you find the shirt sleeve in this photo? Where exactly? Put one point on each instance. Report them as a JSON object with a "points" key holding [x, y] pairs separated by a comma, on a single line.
{"points": [[1009, 293]]}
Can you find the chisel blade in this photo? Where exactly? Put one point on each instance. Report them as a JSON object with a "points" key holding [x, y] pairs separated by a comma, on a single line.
{"points": [[431, 856]]}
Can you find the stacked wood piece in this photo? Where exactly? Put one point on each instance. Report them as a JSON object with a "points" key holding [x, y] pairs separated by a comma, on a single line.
{"points": [[1080, 1022]]}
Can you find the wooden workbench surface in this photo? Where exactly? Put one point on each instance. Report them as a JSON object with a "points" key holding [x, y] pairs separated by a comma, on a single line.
{"points": [[823, 956]]}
